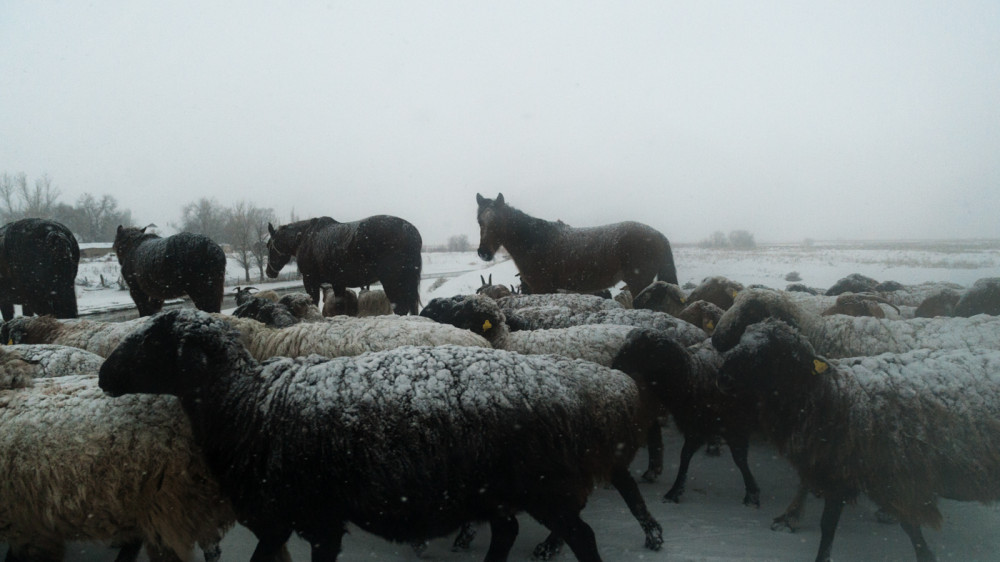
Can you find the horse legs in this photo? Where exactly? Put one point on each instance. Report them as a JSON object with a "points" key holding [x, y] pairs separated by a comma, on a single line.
{"points": [[503, 531], [208, 297], [7, 310], [325, 543], [691, 445], [564, 521], [146, 304]]}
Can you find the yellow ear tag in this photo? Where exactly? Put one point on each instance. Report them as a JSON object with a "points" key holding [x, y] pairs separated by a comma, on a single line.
{"points": [[683, 300], [710, 325], [820, 367], [487, 326]]}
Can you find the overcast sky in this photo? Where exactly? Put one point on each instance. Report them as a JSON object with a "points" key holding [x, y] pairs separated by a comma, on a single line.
{"points": [[791, 120]]}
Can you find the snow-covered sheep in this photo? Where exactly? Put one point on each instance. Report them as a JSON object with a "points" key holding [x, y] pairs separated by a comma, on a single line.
{"points": [[941, 303], [983, 297], [853, 283], [684, 379], [344, 335], [549, 317], [373, 302], [269, 312], [307, 444], [661, 296], [859, 304], [487, 288], [97, 337], [703, 314], [903, 429], [302, 307], [850, 336], [624, 297], [574, 301], [76, 465], [717, 290], [20, 365], [342, 305]]}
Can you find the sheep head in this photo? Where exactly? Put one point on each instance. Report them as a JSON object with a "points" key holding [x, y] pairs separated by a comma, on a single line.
{"points": [[477, 313], [170, 356], [771, 358], [750, 307], [654, 360]]}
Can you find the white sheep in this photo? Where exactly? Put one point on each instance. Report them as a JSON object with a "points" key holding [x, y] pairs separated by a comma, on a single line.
{"points": [[339, 336], [20, 365], [94, 336], [849, 336], [903, 429], [76, 465], [549, 317], [408, 443], [574, 301]]}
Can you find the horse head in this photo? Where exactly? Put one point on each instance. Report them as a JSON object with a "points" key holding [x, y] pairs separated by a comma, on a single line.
{"points": [[281, 246], [491, 216]]}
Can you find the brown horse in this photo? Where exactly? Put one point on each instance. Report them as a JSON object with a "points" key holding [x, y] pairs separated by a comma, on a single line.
{"points": [[553, 255], [381, 248]]}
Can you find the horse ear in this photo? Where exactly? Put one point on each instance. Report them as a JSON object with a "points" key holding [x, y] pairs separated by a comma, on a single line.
{"points": [[499, 199], [270, 229], [120, 228], [480, 200]]}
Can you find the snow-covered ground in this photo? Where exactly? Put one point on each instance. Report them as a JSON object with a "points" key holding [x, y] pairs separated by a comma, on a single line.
{"points": [[710, 524]]}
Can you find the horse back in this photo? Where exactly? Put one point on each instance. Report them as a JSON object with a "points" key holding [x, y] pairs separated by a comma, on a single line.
{"points": [[167, 267], [349, 253]]}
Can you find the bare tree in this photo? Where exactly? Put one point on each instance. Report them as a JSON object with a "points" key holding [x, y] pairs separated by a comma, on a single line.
{"points": [[246, 231], [458, 243], [18, 201], [98, 218], [205, 216]]}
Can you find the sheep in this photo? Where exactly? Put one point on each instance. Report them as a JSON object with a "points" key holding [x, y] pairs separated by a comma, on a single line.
{"points": [[941, 303], [271, 313], [848, 336], [717, 290], [853, 283], [859, 304], [548, 317], [661, 296], [684, 379], [96, 337], [301, 306], [703, 314], [307, 444], [982, 298], [373, 302], [20, 365], [79, 466], [343, 305], [904, 429], [575, 301], [490, 290], [624, 297], [341, 336]]}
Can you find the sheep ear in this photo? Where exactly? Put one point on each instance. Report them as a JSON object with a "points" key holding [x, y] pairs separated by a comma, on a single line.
{"points": [[480, 200], [270, 229], [820, 366], [499, 199]]}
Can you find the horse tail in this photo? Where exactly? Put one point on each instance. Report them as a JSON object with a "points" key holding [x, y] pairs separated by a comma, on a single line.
{"points": [[667, 271]]}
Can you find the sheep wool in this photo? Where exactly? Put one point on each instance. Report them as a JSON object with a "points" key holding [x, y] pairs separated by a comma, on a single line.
{"points": [[574, 301], [407, 443], [340, 336], [97, 337], [904, 429], [548, 317], [850, 336], [20, 365], [78, 465]]}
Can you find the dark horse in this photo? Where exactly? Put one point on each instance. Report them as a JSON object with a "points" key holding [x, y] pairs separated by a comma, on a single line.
{"points": [[381, 248], [38, 263], [553, 255], [157, 269]]}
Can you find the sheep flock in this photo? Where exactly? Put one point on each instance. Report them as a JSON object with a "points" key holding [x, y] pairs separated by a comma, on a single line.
{"points": [[158, 436]]}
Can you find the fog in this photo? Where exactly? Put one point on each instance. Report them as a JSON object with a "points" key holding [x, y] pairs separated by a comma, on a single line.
{"points": [[791, 120]]}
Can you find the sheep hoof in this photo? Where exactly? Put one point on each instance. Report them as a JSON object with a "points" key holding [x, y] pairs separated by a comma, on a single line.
{"points": [[784, 523], [464, 538], [752, 498], [419, 547], [673, 496], [545, 551], [654, 536], [650, 475]]}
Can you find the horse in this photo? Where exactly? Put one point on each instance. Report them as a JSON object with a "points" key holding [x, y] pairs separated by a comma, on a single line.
{"points": [[380, 248], [38, 264], [156, 269], [552, 256]]}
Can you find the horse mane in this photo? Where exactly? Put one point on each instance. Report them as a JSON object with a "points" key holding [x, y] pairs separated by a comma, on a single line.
{"points": [[530, 230]]}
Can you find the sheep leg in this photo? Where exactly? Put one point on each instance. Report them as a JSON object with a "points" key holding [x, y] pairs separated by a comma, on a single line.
{"points": [[654, 447], [924, 553], [622, 480], [503, 531], [565, 522], [832, 508], [549, 548], [691, 446], [464, 537], [129, 552], [793, 513], [270, 545], [7, 310], [739, 447]]}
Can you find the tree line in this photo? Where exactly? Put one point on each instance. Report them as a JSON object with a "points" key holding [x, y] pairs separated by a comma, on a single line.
{"points": [[242, 226]]}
